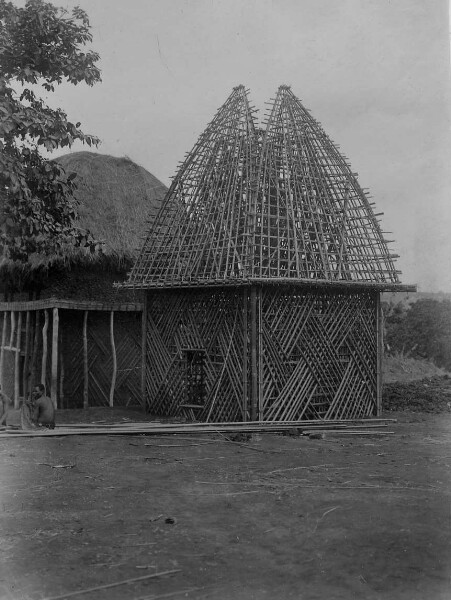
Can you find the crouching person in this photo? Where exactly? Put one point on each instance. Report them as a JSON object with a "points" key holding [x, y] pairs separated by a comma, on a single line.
{"points": [[43, 409], [6, 406]]}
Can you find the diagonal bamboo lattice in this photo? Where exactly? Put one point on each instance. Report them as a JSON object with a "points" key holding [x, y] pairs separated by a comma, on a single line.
{"points": [[317, 354], [280, 203]]}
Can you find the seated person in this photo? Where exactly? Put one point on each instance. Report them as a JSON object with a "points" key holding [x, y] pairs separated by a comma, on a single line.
{"points": [[6, 405], [43, 409]]}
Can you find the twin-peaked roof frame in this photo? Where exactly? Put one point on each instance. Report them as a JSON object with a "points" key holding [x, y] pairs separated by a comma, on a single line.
{"points": [[277, 204]]}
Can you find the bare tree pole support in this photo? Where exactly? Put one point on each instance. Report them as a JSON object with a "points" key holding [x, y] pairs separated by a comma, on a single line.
{"points": [[380, 352], [17, 363], [13, 330], [254, 366], [54, 374], [2, 351], [26, 366], [113, 352], [45, 329], [34, 353], [85, 361], [61, 386], [144, 352]]}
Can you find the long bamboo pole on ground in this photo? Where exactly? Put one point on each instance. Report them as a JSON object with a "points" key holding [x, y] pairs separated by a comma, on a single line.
{"points": [[45, 329], [2, 350], [54, 372], [26, 366], [17, 363], [85, 361], [113, 352]]}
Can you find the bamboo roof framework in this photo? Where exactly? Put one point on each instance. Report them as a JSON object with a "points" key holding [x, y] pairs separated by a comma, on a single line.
{"points": [[275, 204]]}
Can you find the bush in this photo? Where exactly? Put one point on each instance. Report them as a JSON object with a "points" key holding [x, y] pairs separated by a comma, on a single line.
{"points": [[422, 330]]}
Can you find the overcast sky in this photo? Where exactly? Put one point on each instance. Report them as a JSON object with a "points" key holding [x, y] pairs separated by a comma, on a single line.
{"points": [[374, 72]]}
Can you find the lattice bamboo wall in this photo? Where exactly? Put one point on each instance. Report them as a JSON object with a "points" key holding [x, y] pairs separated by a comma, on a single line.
{"points": [[317, 354], [70, 375], [127, 332]]}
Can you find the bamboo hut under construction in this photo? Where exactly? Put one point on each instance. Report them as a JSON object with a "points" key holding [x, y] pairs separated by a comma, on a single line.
{"points": [[262, 274], [66, 326]]}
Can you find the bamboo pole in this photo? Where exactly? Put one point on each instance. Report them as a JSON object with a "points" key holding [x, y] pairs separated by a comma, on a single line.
{"points": [[380, 352], [17, 363], [45, 329], [13, 330], [260, 355], [26, 366], [61, 382], [144, 352], [113, 352], [34, 353], [254, 370], [2, 351], [244, 409], [54, 372], [85, 361]]}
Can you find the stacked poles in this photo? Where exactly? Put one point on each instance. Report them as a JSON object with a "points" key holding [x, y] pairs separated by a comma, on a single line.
{"points": [[273, 204], [348, 427]]}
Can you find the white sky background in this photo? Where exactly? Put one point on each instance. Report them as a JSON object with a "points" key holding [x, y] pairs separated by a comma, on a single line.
{"points": [[375, 73]]}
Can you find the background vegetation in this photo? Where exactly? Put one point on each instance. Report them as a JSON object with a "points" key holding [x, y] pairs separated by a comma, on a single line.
{"points": [[421, 329]]}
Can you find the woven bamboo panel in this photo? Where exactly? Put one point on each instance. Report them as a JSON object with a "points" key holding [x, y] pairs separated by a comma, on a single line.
{"points": [[127, 331], [319, 354], [210, 322], [316, 354]]}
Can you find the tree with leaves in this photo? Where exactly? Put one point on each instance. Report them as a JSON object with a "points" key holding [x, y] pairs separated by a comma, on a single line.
{"points": [[41, 46]]}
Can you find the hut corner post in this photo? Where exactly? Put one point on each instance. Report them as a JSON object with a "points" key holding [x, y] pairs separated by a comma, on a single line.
{"points": [[255, 355], [380, 352]]}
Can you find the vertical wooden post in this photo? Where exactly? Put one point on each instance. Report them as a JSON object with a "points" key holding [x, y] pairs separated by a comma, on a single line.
{"points": [[144, 353], [380, 353], [2, 351], [61, 387], [113, 352], [54, 373], [45, 329], [254, 366], [259, 355], [85, 361], [34, 353], [17, 363], [26, 366], [13, 330], [244, 409]]}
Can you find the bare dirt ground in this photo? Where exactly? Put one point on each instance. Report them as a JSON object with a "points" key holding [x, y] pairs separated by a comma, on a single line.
{"points": [[276, 518]]}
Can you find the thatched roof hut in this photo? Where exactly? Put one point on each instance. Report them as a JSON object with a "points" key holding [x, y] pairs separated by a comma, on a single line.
{"points": [[82, 337], [115, 196]]}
